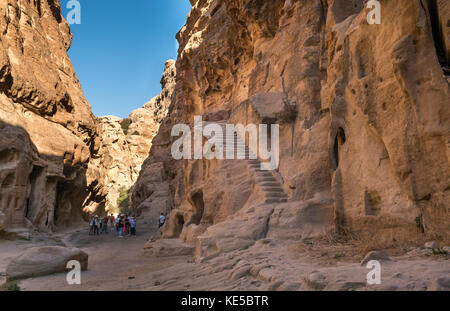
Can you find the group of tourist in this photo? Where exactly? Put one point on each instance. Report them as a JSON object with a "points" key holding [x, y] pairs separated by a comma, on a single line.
{"points": [[124, 225]]}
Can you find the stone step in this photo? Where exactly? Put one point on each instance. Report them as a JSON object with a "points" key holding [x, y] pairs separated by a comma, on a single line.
{"points": [[265, 179], [271, 201], [272, 189], [276, 195], [264, 173], [270, 184], [254, 164], [262, 179]]}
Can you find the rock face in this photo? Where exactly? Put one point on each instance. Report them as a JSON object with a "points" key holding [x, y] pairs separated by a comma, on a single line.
{"points": [[126, 143], [114, 169], [39, 261], [57, 161], [366, 149], [47, 130], [440, 10], [145, 122]]}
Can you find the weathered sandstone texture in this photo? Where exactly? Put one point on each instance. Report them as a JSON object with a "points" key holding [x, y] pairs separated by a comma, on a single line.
{"points": [[125, 144], [58, 162], [47, 130], [39, 261], [364, 120]]}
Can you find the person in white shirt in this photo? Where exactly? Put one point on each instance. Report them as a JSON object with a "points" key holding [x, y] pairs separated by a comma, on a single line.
{"points": [[91, 225], [162, 220], [132, 226]]}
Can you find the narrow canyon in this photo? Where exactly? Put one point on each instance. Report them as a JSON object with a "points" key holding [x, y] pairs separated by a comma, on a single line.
{"points": [[364, 151]]}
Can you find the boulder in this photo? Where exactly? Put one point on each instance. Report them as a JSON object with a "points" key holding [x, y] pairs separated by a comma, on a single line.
{"points": [[351, 286], [375, 255], [290, 286], [431, 245], [441, 284], [40, 261], [268, 275], [317, 280]]}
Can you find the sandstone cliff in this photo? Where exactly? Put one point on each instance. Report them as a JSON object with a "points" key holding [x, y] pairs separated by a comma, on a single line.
{"points": [[367, 152], [48, 132], [58, 162], [126, 143]]}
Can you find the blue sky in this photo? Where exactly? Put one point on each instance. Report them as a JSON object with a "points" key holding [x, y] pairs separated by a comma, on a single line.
{"points": [[120, 48]]}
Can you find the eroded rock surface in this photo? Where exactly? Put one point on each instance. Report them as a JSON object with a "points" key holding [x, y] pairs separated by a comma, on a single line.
{"points": [[364, 142], [366, 151], [48, 132], [58, 163], [126, 143]]}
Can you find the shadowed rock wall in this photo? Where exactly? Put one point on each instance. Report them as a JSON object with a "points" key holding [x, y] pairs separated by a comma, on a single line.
{"points": [[48, 132]]}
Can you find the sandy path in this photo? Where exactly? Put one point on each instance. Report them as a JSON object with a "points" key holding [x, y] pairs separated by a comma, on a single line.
{"points": [[120, 264], [114, 263]]}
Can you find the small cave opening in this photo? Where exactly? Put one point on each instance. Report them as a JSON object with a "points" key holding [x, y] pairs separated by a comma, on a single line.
{"points": [[372, 203], [439, 36], [55, 216], [179, 224], [339, 140], [33, 201], [6, 156], [61, 196], [199, 207]]}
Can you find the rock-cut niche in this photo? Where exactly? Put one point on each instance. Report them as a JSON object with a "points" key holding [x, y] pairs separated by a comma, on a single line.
{"points": [[37, 179], [338, 142], [199, 206]]}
